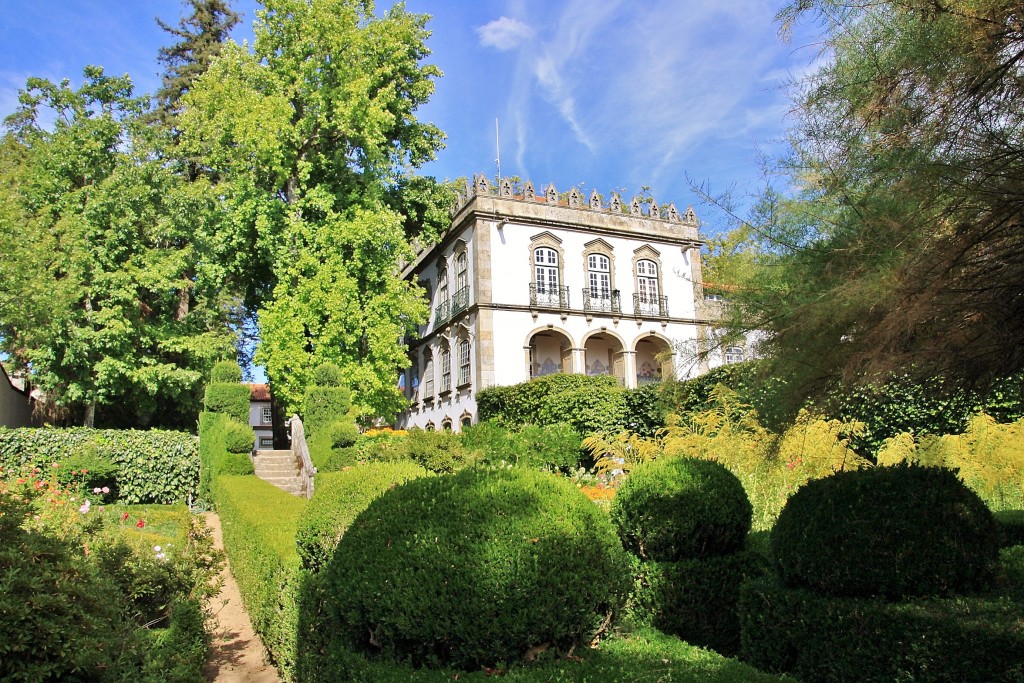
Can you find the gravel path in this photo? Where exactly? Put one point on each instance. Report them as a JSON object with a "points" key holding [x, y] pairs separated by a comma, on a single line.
{"points": [[237, 653]]}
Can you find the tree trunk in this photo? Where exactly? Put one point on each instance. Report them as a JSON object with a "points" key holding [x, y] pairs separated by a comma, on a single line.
{"points": [[90, 414]]}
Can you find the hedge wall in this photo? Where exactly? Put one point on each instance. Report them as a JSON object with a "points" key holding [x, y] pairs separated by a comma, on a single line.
{"points": [[259, 523], [814, 638], [152, 466], [216, 460], [228, 398]]}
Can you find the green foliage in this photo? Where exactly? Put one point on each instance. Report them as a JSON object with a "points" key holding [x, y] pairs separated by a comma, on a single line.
{"points": [[323, 405], [327, 375], [519, 404], [231, 399], [643, 654], [259, 523], [587, 410], [226, 372], [681, 508], [818, 638], [695, 599], [339, 497], [645, 409], [750, 381], [1011, 527], [342, 433], [308, 151], [238, 437], [89, 470], [216, 460], [891, 532], [61, 616], [989, 458], [475, 568], [555, 446], [440, 452], [152, 466], [107, 301]]}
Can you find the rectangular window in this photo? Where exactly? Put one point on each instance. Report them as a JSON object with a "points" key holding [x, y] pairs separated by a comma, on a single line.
{"points": [[464, 363], [446, 371], [428, 380], [267, 416], [266, 442]]}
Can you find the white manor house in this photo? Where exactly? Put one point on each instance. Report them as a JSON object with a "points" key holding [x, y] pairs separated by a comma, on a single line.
{"points": [[526, 284]]}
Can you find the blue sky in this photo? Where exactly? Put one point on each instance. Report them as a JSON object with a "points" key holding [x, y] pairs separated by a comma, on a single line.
{"points": [[614, 95]]}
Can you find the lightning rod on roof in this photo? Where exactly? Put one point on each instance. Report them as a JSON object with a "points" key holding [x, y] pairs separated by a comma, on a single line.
{"points": [[497, 150]]}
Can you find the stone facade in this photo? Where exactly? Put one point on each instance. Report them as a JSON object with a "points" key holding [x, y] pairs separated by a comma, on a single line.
{"points": [[526, 284]]}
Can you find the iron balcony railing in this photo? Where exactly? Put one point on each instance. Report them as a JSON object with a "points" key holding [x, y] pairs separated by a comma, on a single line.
{"points": [[650, 306], [460, 301], [442, 313], [546, 296], [601, 300]]}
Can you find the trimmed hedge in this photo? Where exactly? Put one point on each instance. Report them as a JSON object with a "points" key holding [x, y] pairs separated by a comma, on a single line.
{"points": [[695, 599], [828, 639], [259, 523], [238, 438], [339, 497], [1011, 527], [681, 508], [226, 372], [555, 446], [892, 532], [216, 459], [324, 405], [232, 399], [475, 568], [522, 403], [152, 466]]}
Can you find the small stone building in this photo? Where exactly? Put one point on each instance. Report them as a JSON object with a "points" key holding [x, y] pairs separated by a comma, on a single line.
{"points": [[15, 403]]}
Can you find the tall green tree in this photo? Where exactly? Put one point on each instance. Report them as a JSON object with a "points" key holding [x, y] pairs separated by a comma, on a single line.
{"points": [[898, 242], [311, 137], [199, 39], [97, 249]]}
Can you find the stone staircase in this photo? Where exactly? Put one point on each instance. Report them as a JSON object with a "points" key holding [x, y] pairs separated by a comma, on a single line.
{"points": [[280, 468]]}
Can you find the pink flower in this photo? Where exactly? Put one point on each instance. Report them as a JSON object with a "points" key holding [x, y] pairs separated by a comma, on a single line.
{"points": [[105, 489], [96, 490], [85, 507]]}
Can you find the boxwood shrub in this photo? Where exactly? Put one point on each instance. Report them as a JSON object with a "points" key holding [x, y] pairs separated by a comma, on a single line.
{"points": [[152, 466], [681, 508], [238, 438], [216, 459], [259, 523], [695, 599], [895, 532], [230, 398], [475, 568], [829, 639], [1011, 527], [226, 372], [339, 497]]}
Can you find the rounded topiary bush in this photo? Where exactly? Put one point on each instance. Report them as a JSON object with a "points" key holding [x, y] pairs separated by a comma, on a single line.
{"points": [[342, 433], [474, 568], [226, 371], [339, 497], [681, 508], [890, 532], [238, 438]]}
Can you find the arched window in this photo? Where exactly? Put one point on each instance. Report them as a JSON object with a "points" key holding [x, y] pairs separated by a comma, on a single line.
{"points": [[446, 370], [733, 354], [446, 424], [443, 309], [442, 286], [466, 421], [463, 362]]}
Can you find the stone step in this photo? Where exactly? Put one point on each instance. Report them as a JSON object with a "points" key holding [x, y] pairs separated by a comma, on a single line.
{"points": [[276, 467], [260, 454], [292, 485]]}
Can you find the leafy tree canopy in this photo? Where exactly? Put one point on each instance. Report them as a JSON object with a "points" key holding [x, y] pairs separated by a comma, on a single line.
{"points": [[103, 297], [897, 244], [311, 137]]}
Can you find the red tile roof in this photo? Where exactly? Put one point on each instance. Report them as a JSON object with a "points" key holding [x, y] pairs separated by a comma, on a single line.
{"points": [[259, 392]]}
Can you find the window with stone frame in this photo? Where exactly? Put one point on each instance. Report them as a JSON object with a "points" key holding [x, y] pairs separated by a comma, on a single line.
{"points": [[428, 378], [266, 415], [734, 354], [446, 370], [463, 362]]}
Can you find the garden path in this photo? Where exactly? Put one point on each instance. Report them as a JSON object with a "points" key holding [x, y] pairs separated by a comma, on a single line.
{"points": [[237, 653]]}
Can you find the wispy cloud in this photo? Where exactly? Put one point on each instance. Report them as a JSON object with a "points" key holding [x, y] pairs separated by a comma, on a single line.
{"points": [[504, 34]]}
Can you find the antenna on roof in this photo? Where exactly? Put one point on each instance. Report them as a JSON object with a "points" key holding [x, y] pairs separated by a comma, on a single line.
{"points": [[497, 149]]}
